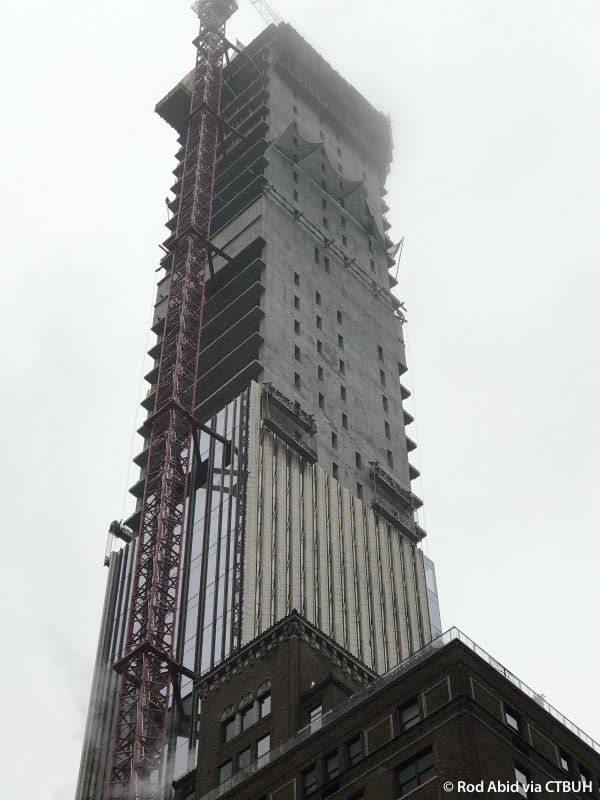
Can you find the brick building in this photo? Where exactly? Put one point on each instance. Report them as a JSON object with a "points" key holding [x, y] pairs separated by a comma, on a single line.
{"points": [[293, 715]]}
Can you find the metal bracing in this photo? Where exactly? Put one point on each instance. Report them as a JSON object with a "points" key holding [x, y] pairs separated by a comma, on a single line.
{"points": [[138, 752]]}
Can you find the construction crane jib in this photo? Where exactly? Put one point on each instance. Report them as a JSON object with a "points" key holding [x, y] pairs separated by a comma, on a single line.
{"points": [[148, 666], [266, 12]]}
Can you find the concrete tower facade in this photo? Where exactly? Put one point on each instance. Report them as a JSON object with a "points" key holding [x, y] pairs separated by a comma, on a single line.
{"points": [[308, 505]]}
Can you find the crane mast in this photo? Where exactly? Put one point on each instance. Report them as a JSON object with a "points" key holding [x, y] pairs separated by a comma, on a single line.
{"points": [[148, 665]]}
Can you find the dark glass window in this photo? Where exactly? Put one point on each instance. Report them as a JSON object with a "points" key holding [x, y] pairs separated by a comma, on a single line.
{"points": [[388, 432], [335, 470], [229, 729], [244, 758], [263, 750], [343, 392], [358, 459], [339, 317], [332, 765], [320, 373], [248, 717], [319, 323], [309, 781], [564, 760], [512, 719], [296, 301], [345, 421], [353, 750], [318, 298], [334, 439], [225, 771], [385, 402], [264, 705], [321, 400], [317, 255], [414, 772], [297, 353], [409, 714], [523, 778]]}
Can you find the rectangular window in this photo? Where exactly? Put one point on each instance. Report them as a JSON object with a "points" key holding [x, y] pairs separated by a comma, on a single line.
{"points": [[342, 367], [358, 459], [343, 222], [372, 266], [409, 714], [297, 353], [316, 718], [334, 440], [317, 298], [327, 264], [343, 392], [323, 203], [344, 241], [229, 729], [264, 705], [296, 279], [295, 108], [309, 781], [319, 323], [345, 421], [244, 758], [565, 761], [522, 777], [296, 327], [353, 751], [225, 771], [341, 341], [385, 403], [359, 491], [295, 177], [296, 302], [295, 195], [335, 470], [382, 377], [339, 317], [319, 346], [414, 772], [325, 223], [317, 255], [388, 433], [248, 717], [512, 719], [321, 400], [331, 763], [296, 380], [263, 750], [380, 352], [390, 459], [320, 373]]}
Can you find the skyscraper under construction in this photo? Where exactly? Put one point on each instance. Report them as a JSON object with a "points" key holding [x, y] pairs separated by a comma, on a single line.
{"points": [[297, 490]]}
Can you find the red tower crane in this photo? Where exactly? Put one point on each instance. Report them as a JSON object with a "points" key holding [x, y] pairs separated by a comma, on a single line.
{"points": [[148, 666]]}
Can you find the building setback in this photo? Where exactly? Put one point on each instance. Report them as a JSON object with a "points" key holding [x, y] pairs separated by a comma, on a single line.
{"points": [[293, 715], [309, 506]]}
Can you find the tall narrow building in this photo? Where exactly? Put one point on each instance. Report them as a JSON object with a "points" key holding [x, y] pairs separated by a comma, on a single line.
{"points": [[304, 499]]}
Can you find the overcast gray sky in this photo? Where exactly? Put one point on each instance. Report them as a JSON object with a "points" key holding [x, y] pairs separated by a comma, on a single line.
{"points": [[495, 187]]}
